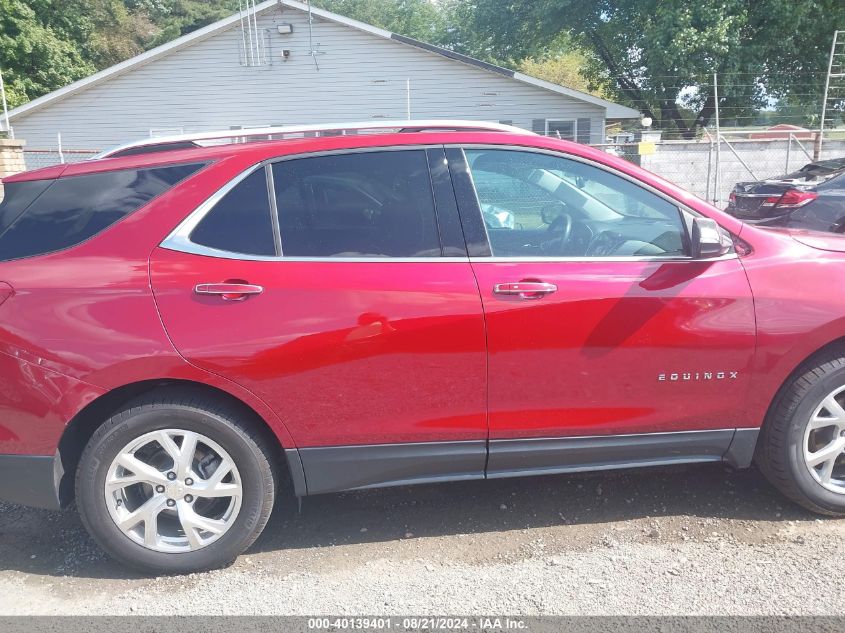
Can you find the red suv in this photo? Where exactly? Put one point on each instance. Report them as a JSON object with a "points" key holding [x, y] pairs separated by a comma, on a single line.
{"points": [[184, 327]]}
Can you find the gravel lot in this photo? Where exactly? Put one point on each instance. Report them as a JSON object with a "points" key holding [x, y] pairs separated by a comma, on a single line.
{"points": [[702, 540]]}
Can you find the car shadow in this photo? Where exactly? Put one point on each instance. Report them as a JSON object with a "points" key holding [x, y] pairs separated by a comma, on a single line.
{"points": [[55, 544]]}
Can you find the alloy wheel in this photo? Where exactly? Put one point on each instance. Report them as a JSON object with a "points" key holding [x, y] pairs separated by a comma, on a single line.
{"points": [[173, 490], [824, 442]]}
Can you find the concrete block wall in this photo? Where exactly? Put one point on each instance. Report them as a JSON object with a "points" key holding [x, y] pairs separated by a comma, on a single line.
{"points": [[692, 165], [11, 159]]}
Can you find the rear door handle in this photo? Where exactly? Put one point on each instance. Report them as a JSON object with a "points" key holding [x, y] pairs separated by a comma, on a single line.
{"points": [[229, 291], [525, 289]]}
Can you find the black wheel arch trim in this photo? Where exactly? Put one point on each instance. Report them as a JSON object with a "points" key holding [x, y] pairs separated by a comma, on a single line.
{"points": [[32, 480]]}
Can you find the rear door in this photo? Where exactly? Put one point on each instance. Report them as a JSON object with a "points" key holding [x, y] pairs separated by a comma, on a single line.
{"points": [[345, 300], [608, 343]]}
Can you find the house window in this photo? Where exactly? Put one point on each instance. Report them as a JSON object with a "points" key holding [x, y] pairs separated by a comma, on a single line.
{"points": [[566, 129]]}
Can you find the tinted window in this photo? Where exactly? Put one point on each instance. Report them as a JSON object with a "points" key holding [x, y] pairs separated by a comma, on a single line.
{"points": [[241, 221], [72, 209], [17, 197], [374, 204], [548, 206]]}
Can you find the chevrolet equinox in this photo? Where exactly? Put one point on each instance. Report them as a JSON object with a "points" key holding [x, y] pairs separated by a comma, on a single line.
{"points": [[185, 325]]}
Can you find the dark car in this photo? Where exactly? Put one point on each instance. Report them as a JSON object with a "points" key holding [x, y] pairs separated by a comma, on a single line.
{"points": [[811, 198]]}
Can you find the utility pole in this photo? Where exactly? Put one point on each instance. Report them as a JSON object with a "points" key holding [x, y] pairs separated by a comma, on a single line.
{"points": [[5, 107], [718, 188]]}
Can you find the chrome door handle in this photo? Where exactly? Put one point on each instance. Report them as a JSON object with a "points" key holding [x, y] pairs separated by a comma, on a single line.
{"points": [[229, 291], [525, 289]]}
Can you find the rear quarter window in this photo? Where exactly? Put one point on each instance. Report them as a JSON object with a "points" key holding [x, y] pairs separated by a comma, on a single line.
{"points": [[18, 196], [48, 216]]}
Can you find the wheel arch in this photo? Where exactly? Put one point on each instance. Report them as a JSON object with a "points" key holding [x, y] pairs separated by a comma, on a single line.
{"points": [[837, 345], [83, 425]]}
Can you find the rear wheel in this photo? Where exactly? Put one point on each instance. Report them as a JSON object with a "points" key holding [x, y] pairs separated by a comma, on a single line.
{"points": [[802, 450], [176, 483]]}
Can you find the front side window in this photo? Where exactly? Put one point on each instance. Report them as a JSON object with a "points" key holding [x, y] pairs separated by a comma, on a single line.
{"points": [[48, 216], [363, 204], [543, 205]]}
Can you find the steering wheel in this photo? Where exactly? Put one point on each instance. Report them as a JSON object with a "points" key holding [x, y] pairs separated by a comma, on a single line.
{"points": [[561, 227], [559, 231]]}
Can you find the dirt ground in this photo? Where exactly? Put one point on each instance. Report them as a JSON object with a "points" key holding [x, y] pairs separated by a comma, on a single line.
{"points": [[697, 540]]}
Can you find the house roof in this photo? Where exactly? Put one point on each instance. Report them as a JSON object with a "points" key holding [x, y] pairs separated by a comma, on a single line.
{"points": [[613, 110]]}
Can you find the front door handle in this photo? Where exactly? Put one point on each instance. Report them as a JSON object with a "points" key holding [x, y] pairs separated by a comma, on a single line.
{"points": [[229, 291], [525, 289]]}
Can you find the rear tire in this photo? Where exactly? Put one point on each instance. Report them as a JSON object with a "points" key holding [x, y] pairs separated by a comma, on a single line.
{"points": [[157, 459], [802, 447]]}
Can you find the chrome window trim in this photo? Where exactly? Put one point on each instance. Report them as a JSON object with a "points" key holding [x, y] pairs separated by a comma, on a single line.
{"points": [[631, 258], [180, 238], [682, 208]]}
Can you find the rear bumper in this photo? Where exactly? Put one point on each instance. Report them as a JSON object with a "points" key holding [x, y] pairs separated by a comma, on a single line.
{"points": [[31, 480]]}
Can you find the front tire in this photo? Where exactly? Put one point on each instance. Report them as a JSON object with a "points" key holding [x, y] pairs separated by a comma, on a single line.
{"points": [[176, 483], [802, 448]]}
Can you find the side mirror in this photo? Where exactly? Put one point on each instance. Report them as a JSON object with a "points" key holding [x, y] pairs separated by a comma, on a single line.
{"points": [[708, 239]]}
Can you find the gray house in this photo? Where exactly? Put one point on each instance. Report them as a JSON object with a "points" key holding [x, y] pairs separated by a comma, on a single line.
{"points": [[281, 63]]}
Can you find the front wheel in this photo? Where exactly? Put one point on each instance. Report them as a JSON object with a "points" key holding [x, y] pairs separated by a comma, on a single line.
{"points": [[802, 449], [175, 484]]}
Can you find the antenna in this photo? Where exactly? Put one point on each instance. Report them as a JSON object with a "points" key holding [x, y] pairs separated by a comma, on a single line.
{"points": [[257, 40], [243, 32], [311, 49]]}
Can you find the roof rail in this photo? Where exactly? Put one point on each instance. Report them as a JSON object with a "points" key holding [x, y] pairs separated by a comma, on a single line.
{"points": [[183, 141]]}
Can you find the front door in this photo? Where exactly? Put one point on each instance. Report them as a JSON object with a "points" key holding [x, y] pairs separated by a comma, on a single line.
{"points": [[607, 343], [347, 305]]}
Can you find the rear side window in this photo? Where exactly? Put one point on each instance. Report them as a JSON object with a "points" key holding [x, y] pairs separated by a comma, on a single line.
{"points": [[70, 210], [368, 204], [241, 221]]}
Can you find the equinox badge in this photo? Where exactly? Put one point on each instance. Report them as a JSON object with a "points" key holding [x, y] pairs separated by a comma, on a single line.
{"points": [[704, 375]]}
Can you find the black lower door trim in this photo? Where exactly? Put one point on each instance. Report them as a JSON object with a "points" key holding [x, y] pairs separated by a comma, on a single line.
{"points": [[336, 468], [535, 456], [332, 469]]}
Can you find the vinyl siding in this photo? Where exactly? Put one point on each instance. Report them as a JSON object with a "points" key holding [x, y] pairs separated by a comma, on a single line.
{"points": [[361, 77]]}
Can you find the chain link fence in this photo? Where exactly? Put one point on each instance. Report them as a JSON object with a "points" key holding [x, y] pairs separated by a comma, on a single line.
{"points": [[711, 169], [37, 158], [705, 167]]}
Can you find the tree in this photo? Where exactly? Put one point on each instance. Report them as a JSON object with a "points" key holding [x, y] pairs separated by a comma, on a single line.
{"points": [[659, 55], [47, 44], [34, 57], [564, 64], [174, 18], [419, 19], [105, 31], [563, 69]]}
